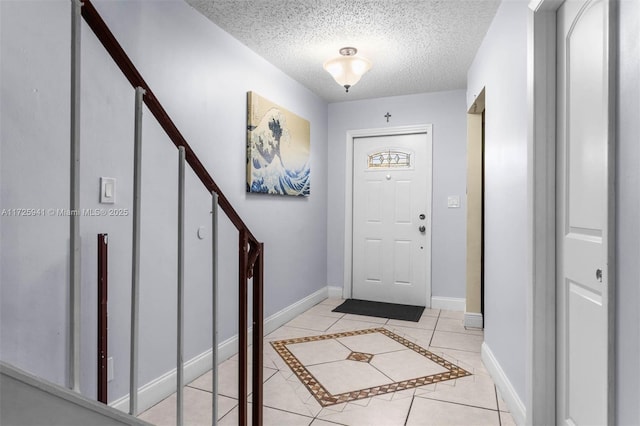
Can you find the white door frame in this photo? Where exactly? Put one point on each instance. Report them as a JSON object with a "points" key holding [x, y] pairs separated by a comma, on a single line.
{"points": [[347, 289], [541, 150]]}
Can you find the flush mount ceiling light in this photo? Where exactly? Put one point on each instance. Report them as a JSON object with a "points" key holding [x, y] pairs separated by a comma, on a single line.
{"points": [[347, 68]]}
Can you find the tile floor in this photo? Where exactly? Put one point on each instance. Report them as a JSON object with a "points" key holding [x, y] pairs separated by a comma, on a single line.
{"points": [[389, 373]]}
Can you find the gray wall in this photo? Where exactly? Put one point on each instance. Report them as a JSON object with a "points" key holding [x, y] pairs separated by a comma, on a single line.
{"points": [[500, 67], [35, 134], [447, 112], [201, 75], [628, 209]]}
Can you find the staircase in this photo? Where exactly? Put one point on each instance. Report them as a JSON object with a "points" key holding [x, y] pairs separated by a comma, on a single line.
{"points": [[25, 396]]}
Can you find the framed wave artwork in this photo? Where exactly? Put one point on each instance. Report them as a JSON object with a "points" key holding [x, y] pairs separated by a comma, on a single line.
{"points": [[278, 149]]}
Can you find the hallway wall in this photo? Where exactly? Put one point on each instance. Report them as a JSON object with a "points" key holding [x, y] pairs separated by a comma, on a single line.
{"points": [[500, 68], [201, 75], [447, 112], [628, 212]]}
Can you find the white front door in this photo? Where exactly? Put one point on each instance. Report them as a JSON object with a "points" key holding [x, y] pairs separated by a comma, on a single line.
{"points": [[584, 213], [392, 218]]}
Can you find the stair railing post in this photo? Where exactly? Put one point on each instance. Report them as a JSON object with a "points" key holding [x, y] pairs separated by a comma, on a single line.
{"points": [[242, 329], [214, 305], [74, 203], [180, 296], [103, 291], [135, 253], [258, 333]]}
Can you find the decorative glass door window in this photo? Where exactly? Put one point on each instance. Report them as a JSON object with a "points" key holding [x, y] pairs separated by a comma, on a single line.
{"points": [[389, 159]]}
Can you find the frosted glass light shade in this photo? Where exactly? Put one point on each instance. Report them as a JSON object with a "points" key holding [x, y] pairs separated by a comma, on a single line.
{"points": [[347, 70]]}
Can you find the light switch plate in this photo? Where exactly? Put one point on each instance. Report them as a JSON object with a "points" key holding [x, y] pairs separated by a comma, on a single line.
{"points": [[453, 201], [107, 190]]}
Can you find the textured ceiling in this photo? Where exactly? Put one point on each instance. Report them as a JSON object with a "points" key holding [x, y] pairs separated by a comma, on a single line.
{"points": [[416, 46]]}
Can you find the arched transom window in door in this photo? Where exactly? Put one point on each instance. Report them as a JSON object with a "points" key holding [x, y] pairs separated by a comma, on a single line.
{"points": [[389, 159]]}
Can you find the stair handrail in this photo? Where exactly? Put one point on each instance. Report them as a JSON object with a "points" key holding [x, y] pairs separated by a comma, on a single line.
{"points": [[251, 251], [113, 47]]}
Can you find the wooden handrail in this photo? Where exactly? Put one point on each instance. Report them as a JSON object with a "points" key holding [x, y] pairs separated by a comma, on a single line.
{"points": [[251, 251], [108, 40]]}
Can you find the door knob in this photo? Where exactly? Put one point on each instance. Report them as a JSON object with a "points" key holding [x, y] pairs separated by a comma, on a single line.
{"points": [[422, 216], [421, 228], [599, 274]]}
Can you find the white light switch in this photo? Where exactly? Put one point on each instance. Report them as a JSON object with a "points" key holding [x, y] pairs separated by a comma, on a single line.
{"points": [[107, 190], [453, 201]]}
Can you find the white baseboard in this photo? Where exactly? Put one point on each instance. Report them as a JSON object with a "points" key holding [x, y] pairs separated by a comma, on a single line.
{"points": [[449, 303], [335, 292], [282, 317], [161, 387], [508, 393], [158, 389], [473, 320]]}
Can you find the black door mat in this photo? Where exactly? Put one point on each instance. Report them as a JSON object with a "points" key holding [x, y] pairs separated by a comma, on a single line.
{"points": [[381, 310]]}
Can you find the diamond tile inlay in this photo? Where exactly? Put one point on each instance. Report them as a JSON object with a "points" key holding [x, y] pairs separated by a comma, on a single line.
{"points": [[326, 398], [359, 356]]}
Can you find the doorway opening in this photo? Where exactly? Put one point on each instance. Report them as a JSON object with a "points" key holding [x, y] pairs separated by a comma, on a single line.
{"points": [[474, 309]]}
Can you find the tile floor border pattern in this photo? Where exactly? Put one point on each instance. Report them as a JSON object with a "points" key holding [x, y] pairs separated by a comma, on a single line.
{"points": [[360, 357], [325, 398]]}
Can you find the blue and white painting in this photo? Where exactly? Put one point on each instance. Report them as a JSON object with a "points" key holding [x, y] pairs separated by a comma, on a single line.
{"points": [[278, 148]]}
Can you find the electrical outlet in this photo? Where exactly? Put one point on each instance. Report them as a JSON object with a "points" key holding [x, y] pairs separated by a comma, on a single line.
{"points": [[109, 369]]}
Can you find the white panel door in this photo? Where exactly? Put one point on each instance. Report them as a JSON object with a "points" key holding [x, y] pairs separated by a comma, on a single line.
{"points": [[584, 208], [392, 218]]}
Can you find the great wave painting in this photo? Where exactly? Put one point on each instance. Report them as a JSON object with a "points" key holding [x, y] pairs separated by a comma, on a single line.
{"points": [[278, 148]]}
